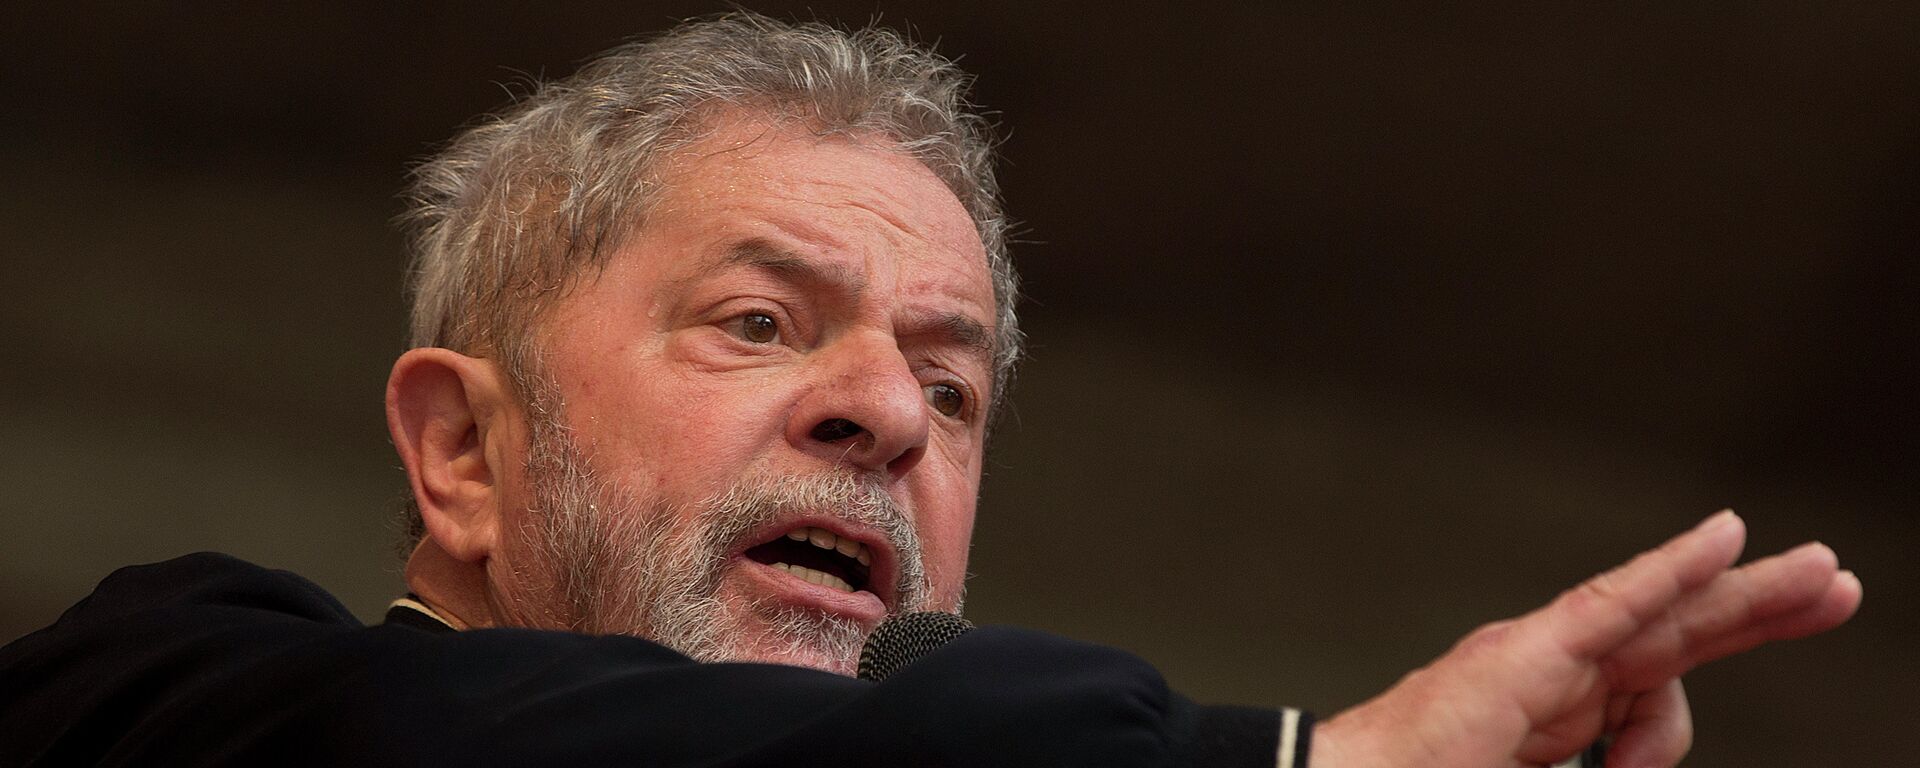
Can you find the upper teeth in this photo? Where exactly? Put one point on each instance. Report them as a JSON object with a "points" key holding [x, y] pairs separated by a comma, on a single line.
{"points": [[825, 539]]}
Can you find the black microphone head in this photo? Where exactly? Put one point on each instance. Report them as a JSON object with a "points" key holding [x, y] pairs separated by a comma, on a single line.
{"points": [[903, 638]]}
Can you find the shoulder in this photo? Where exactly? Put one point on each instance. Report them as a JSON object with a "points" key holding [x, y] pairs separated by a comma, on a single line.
{"points": [[208, 582], [212, 606], [151, 637]]}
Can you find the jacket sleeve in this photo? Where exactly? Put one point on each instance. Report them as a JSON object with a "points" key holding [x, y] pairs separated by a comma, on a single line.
{"points": [[207, 660]]}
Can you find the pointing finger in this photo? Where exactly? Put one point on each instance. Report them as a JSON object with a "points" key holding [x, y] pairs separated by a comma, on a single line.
{"points": [[1597, 617], [1731, 605]]}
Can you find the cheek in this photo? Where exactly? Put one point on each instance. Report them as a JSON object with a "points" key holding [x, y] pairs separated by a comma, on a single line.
{"points": [[686, 436], [946, 531]]}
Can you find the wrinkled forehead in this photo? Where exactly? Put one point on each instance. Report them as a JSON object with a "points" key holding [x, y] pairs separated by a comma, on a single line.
{"points": [[833, 193], [800, 162]]}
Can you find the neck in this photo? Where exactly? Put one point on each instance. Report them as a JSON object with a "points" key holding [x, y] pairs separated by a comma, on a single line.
{"points": [[455, 590]]}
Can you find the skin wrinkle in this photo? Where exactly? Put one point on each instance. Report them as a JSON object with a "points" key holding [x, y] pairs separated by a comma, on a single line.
{"points": [[559, 151], [762, 254], [598, 546], [885, 216], [869, 139], [694, 433], [787, 266]]}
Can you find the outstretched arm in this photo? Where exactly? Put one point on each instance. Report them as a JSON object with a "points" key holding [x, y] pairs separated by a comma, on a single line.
{"points": [[1603, 657]]}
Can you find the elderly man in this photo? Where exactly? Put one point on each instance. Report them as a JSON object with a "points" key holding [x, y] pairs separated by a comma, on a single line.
{"points": [[707, 340]]}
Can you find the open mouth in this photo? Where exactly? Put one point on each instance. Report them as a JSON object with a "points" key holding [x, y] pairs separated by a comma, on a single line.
{"points": [[818, 556]]}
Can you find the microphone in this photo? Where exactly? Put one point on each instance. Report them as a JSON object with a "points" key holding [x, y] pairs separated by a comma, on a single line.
{"points": [[905, 637]]}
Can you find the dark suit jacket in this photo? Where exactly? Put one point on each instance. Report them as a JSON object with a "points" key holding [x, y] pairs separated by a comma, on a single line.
{"points": [[208, 660]]}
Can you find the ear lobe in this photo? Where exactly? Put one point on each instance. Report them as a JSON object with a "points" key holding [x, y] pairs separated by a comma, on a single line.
{"points": [[448, 414]]}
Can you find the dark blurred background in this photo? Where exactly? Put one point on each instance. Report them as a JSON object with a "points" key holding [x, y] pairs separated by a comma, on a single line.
{"points": [[1354, 327]]}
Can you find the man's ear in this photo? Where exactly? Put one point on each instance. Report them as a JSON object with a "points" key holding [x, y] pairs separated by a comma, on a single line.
{"points": [[455, 423]]}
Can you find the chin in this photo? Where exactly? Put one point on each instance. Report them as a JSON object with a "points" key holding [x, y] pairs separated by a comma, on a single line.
{"points": [[769, 630], [811, 659], [769, 645]]}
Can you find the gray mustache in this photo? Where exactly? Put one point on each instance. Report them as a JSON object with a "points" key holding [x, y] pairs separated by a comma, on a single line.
{"points": [[760, 499]]}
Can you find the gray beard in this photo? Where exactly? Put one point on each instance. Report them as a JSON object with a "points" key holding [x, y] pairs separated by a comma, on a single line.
{"points": [[602, 562]]}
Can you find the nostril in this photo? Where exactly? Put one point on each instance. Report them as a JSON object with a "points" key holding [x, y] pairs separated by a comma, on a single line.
{"points": [[833, 430]]}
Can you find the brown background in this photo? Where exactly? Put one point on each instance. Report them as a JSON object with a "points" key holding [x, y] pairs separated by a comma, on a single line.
{"points": [[1354, 327]]}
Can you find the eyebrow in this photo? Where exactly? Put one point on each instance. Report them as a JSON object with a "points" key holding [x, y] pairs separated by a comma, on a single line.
{"points": [[790, 266], [757, 253], [955, 328]]}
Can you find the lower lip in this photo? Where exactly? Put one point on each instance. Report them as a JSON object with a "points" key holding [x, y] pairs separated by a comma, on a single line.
{"points": [[861, 605]]}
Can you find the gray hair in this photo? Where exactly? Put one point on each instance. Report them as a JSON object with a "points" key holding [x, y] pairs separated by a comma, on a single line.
{"points": [[515, 208]]}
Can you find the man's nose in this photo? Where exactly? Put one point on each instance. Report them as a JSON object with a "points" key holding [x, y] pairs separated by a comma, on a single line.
{"points": [[865, 409]]}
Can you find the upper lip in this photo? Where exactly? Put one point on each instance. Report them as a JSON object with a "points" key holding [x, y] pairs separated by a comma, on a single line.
{"points": [[882, 575]]}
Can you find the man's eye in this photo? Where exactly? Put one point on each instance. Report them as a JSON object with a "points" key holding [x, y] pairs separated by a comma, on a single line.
{"points": [[759, 328], [946, 398]]}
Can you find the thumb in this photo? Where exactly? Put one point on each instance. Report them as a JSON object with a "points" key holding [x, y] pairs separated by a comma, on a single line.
{"points": [[1657, 731]]}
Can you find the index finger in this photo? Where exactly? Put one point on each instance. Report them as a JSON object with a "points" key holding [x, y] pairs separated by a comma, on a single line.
{"points": [[1603, 613]]}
